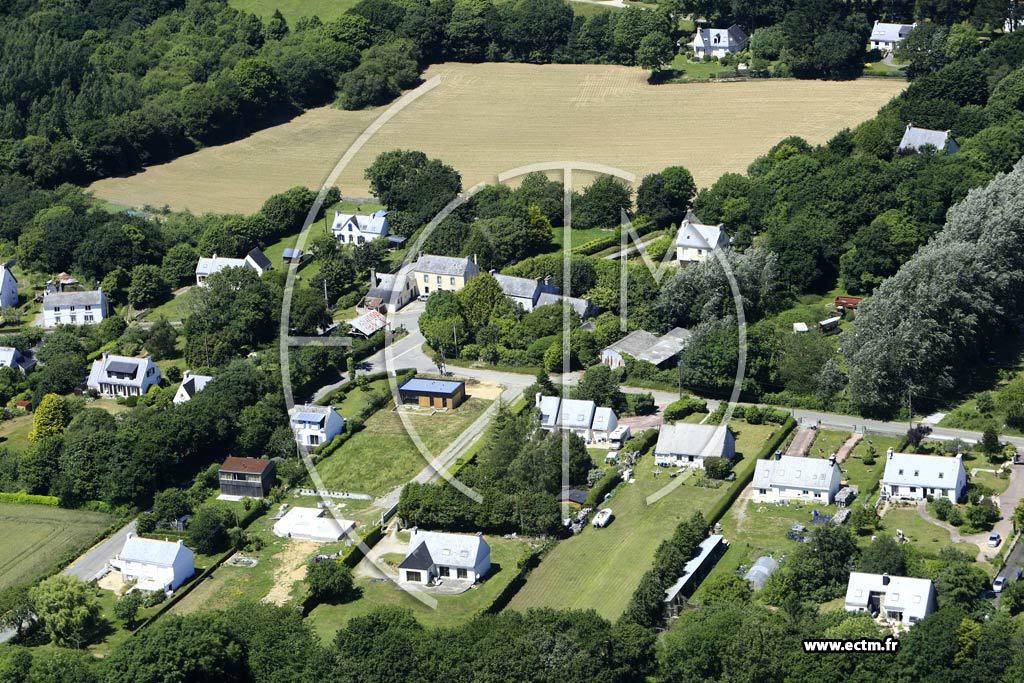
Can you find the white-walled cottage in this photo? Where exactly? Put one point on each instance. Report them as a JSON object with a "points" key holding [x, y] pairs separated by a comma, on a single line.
{"points": [[154, 565], [812, 480], [695, 240], [190, 386], [74, 308], [434, 556], [355, 228], [315, 425], [583, 418], [886, 36], [122, 376], [719, 42], [898, 599], [255, 260], [915, 477], [683, 444], [8, 288]]}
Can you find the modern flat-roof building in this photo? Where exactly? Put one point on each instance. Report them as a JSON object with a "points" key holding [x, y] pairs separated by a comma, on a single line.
{"points": [[433, 393], [312, 524], [246, 477]]}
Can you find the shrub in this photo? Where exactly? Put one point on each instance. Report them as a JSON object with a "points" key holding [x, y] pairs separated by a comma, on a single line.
{"points": [[602, 488], [677, 410], [717, 468], [943, 507]]}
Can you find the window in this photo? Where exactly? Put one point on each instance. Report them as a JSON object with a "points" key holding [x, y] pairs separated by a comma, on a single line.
{"points": [[88, 319], [414, 576], [438, 279], [72, 308], [913, 489], [917, 473], [426, 278], [901, 471], [805, 492], [314, 440], [88, 308], [817, 494], [762, 491], [462, 573], [942, 475], [443, 571], [56, 309], [451, 281]]}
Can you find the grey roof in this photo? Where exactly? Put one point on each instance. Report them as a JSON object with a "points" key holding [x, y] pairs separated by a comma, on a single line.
{"points": [[151, 551], [604, 419], [572, 496], [582, 306], [915, 138], [419, 559], [450, 550], [792, 471], [369, 323], [193, 384], [260, 259], [431, 386], [10, 357], [700, 235], [518, 287], [890, 33], [706, 548], [312, 418], [122, 366], [372, 224], [645, 346], [135, 368], [446, 265], [931, 471], [91, 298], [732, 37], [689, 439], [913, 597]]}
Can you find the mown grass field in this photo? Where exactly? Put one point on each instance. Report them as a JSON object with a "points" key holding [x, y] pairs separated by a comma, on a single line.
{"points": [[383, 455], [485, 118], [599, 568], [33, 537], [295, 9]]}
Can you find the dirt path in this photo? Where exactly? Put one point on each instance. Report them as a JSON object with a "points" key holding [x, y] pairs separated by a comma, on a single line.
{"points": [[979, 540], [369, 567], [844, 451], [801, 443], [291, 568]]}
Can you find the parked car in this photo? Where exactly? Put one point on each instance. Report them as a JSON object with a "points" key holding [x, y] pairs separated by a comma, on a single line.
{"points": [[994, 540], [997, 585]]}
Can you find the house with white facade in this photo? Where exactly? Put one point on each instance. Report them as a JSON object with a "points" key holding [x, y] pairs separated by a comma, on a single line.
{"points": [[74, 308], [687, 445], [255, 259], [389, 291], [114, 376], [435, 557], [915, 139], [584, 418], [811, 480], [190, 386], [886, 37], [354, 228], [315, 425], [523, 291], [695, 240], [916, 477], [8, 288], [11, 357], [896, 599], [154, 565], [719, 42]]}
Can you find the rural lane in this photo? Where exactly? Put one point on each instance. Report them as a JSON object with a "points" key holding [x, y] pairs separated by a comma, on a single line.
{"points": [[88, 566]]}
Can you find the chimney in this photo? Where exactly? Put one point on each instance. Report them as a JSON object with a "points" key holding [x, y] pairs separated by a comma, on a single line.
{"points": [[889, 452], [832, 459], [106, 355], [188, 373], [492, 272], [885, 579], [180, 542], [474, 260], [537, 398]]}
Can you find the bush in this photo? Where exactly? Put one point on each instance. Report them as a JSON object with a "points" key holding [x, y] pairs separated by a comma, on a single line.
{"points": [[208, 529], [602, 488], [717, 468], [677, 410], [329, 580], [943, 507], [955, 517]]}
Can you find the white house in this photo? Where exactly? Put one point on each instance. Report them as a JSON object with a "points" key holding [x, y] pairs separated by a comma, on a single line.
{"points": [[719, 42], [8, 288], [11, 357], [255, 260], [389, 291], [190, 386], [434, 555], [886, 37], [315, 425], [524, 291], [74, 308], [349, 228], [695, 241], [683, 444], [915, 139], [154, 565], [898, 599], [661, 351], [122, 376], [914, 477], [583, 418], [812, 480], [312, 524]]}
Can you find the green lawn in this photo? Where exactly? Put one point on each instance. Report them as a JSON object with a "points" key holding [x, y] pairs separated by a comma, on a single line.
{"points": [[578, 237], [684, 68], [357, 399], [925, 536], [382, 455], [295, 9], [175, 310], [37, 536], [993, 481], [599, 568], [451, 609]]}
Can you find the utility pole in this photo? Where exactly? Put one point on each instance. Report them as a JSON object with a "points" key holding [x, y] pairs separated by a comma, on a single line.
{"points": [[910, 409], [455, 335]]}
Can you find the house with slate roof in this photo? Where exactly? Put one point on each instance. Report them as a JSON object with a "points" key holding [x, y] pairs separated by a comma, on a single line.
{"points": [[915, 139], [154, 565], [389, 291], [687, 445], [811, 480], [190, 386], [915, 477], [695, 241], [584, 418], [74, 308], [435, 557], [255, 259], [662, 351], [442, 273], [886, 37], [897, 599], [114, 376], [719, 42], [11, 357], [315, 425], [8, 288], [349, 228]]}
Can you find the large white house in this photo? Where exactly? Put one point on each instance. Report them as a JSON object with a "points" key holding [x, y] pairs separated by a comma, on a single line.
{"points": [[915, 139], [915, 477], [354, 228], [8, 288], [719, 42], [190, 386], [695, 241], [122, 376], [583, 418], [255, 259], [898, 599], [682, 444], [812, 480], [74, 308], [434, 556], [886, 37], [314, 425], [154, 565]]}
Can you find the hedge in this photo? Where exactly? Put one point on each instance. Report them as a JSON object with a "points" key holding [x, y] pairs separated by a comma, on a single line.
{"points": [[677, 410], [24, 498], [361, 380], [603, 486], [723, 505], [526, 565], [613, 239]]}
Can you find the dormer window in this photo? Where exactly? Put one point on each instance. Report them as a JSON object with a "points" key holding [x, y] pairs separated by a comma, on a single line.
{"points": [[942, 475], [901, 471], [917, 473]]}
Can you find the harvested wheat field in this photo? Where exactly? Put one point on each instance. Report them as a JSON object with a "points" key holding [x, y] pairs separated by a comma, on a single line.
{"points": [[487, 118]]}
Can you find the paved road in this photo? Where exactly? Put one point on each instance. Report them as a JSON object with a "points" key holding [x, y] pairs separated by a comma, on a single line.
{"points": [[89, 565]]}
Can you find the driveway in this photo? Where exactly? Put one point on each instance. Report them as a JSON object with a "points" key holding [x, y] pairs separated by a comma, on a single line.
{"points": [[94, 561]]}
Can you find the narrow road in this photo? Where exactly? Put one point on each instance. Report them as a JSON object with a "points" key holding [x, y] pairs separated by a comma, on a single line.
{"points": [[88, 566]]}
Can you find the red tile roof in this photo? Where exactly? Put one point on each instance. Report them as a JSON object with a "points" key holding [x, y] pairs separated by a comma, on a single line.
{"points": [[254, 465]]}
